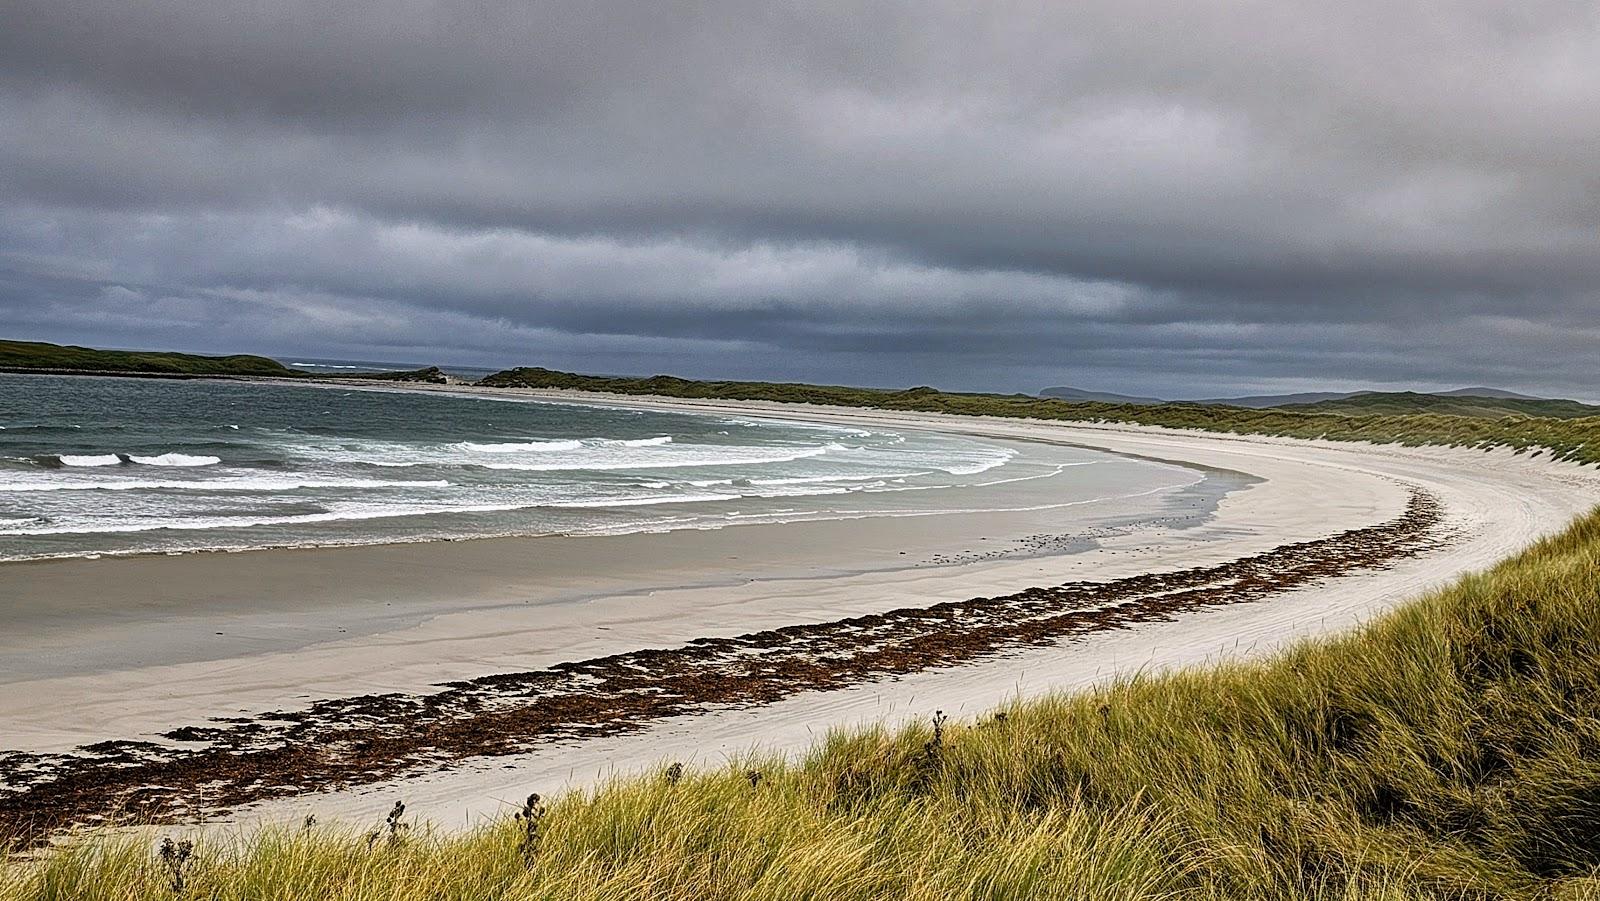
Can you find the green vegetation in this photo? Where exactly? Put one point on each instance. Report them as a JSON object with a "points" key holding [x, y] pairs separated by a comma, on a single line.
{"points": [[430, 374], [1449, 750], [1410, 402], [39, 355], [1566, 439]]}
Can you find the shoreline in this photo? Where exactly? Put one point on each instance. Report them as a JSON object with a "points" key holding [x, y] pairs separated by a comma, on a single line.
{"points": [[356, 741], [1241, 479], [202, 606], [1495, 502], [313, 540]]}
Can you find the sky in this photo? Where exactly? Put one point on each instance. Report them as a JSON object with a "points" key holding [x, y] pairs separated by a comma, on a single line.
{"points": [[1147, 196]]}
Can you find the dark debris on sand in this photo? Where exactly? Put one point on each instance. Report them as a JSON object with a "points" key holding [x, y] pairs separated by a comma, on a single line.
{"points": [[355, 740]]}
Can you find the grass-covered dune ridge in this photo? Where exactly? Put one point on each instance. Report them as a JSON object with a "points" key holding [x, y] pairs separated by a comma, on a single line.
{"points": [[1576, 439], [1411, 402], [26, 355], [1451, 749]]}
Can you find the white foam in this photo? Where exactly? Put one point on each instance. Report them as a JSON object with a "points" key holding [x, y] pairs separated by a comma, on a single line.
{"points": [[339, 514], [805, 480], [638, 501], [678, 456], [177, 460], [230, 484], [1000, 458], [247, 522], [808, 480], [546, 446], [520, 447], [89, 459]]}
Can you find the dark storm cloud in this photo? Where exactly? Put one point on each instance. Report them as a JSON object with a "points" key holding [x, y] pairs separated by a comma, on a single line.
{"points": [[1164, 196]]}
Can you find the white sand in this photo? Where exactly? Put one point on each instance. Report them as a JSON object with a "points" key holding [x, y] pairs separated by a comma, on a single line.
{"points": [[1496, 502]]}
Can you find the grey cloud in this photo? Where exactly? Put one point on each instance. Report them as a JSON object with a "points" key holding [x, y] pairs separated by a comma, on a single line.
{"points": [[1150, 195]]}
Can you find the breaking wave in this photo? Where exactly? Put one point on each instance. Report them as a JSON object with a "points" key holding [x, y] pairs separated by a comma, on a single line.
{"points": [[89, 459], [168, 459], [177, 460]]}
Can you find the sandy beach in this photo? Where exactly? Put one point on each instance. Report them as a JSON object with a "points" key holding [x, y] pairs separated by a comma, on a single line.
{"points": [[125, 649]]}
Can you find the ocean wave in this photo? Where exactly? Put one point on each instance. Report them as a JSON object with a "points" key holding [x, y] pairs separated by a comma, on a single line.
{"points": [[243, 483], [519, 447], [167, 459], [545, 445], [177, 460], [586, 503], [337, 514], [89, 459], [808, 480], [804, 480], [974, 467], [681, 456], [197, 523]]}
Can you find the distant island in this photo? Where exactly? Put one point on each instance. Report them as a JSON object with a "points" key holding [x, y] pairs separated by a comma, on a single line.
{"points": [[41, 356], [1480, 402]]}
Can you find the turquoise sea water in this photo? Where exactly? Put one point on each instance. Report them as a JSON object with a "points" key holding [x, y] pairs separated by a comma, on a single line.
{"points": [[111, 465]]}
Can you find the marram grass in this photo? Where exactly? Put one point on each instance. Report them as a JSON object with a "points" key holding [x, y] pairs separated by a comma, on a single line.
{"points": [[1448, 750]]}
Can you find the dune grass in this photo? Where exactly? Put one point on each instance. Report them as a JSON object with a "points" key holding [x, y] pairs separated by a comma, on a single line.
{"points": [[1450, 749], [1576, 438], [1411, 402]]}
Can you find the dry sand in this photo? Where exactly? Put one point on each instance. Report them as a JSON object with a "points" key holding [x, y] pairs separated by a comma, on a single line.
{"points": [[730, 581]]}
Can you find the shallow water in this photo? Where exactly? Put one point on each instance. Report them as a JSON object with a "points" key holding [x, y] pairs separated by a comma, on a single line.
{"points": [[94, 465]]}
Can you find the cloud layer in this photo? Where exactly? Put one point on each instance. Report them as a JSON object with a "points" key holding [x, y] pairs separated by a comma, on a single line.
{"points": [[1151, 196]]}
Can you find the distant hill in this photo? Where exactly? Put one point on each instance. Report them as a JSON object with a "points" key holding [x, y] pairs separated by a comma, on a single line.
{"points": [[1452, 404], [1289, 401], [1486, 392], [1103, 397], [45, 357], [1264, 401], [1476, 401]]}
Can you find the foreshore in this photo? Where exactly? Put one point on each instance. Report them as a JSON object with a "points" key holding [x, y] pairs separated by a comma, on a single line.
{"points": [[791, 580]]}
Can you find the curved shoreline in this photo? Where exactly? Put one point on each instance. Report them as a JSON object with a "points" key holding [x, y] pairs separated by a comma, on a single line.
{"points": [[355, 741], [1494, 502], [108, 615]]}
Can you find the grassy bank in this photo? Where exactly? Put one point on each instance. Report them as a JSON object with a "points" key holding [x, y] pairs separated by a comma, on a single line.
{"points": [[1576, 439], [1411, 403], [1449, 750], [38, 355]]}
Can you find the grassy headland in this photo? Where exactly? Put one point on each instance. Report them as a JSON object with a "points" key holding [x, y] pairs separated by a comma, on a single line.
{"points": [[1576, 439], [431, 375], [38, 355], [1449, 750]]}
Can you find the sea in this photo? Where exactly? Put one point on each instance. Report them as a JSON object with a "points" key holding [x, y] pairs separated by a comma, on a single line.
{"points": [[93, 466]]}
